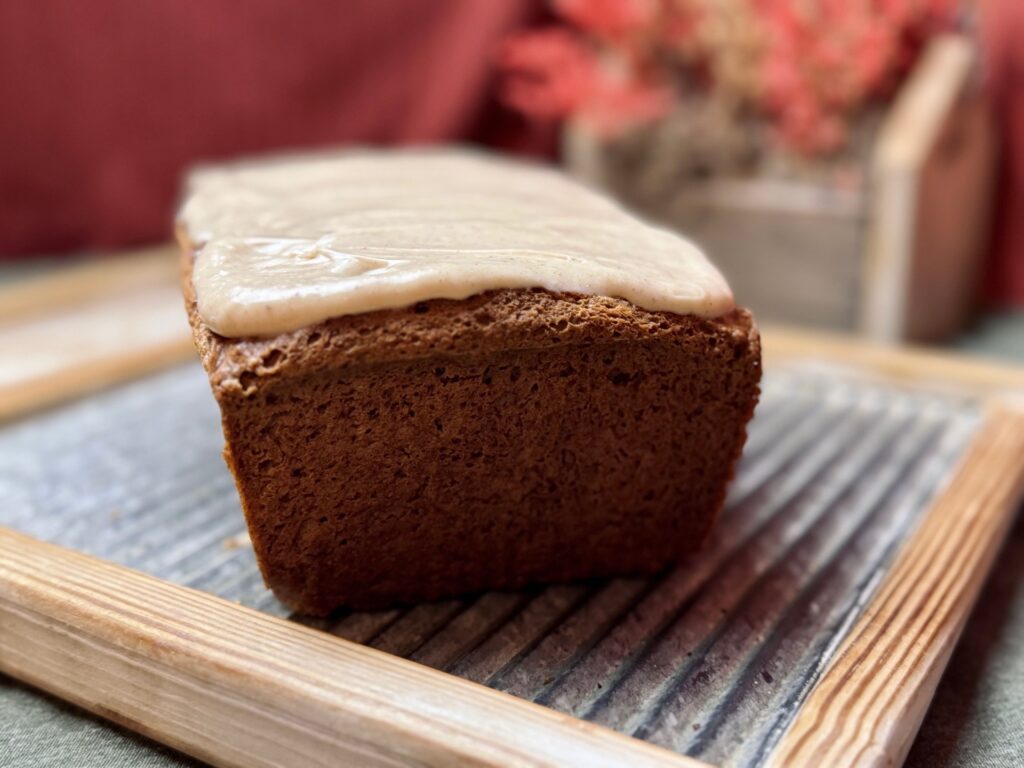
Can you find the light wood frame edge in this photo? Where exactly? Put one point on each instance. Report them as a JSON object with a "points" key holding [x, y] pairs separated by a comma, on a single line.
{"points": [[98, 628], [95, 375], [64, 289], [868, 705], [236, 687], [88, 280], [920, 367]]}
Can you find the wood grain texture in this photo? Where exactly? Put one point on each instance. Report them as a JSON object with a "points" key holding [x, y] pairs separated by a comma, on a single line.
{"points": [[867, 707], [87, 327], [233, 686], [80, 283], [236, 687], [919, 367], [26, 395]]}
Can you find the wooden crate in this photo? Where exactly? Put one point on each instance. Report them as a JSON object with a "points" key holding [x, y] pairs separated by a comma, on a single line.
{"points": [[896, 256]]}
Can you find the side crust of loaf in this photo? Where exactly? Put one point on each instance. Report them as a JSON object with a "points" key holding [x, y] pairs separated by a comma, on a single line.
{"points": [[515, 437]]}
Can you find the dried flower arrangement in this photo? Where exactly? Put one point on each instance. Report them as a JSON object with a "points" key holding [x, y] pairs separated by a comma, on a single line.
{"points": [[804, 69], [822, 150]]}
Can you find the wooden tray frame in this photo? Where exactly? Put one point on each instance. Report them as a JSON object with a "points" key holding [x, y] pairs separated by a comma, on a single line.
{"points": [[236, 687]]}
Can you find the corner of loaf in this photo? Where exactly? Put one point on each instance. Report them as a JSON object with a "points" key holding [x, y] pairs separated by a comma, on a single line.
{"points": [[519, 434]]}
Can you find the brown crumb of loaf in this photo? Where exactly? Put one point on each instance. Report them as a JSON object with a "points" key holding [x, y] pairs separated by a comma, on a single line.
{"points": [[511, 438]]}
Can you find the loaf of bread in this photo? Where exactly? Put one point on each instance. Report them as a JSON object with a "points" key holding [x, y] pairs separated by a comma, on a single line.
{"points": [[519, 435]]}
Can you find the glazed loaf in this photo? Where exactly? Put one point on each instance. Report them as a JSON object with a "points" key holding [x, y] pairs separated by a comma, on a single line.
{"points": [[517, 436]]}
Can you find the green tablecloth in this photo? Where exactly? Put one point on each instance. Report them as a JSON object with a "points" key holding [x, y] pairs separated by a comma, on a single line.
{"points": [[977, 716]]}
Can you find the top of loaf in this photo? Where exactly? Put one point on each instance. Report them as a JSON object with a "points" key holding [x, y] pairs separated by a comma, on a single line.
{"points": [[284, 244]]}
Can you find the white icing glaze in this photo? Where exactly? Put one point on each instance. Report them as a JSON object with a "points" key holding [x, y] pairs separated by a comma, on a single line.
{"points": [[288, 243]]}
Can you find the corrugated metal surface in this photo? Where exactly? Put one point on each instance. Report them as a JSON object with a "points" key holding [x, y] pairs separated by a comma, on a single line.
{"points": [[711, 659]]}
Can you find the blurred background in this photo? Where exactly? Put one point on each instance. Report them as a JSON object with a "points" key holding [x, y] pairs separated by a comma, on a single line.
{"points": [[853, 166], [856, 166]]}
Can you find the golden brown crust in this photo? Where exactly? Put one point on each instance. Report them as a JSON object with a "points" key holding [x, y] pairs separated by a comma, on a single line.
{"points": [[514, 437]]}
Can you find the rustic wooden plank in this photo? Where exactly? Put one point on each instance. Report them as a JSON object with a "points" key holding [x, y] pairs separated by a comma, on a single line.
{"points": [[85, 281], [920, 367], [236, 687], [136, 655], [72, 362], [80, 329], [868, 705]]}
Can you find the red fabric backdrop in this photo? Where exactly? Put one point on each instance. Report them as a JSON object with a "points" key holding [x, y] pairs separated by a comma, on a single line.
{"points": [[1004, 34], [106, 101]]}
